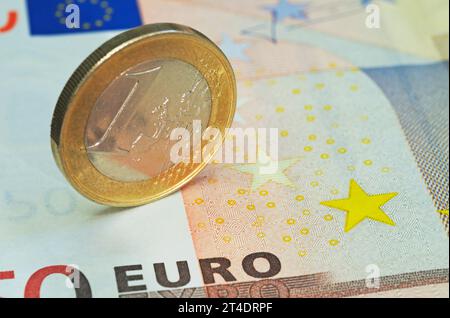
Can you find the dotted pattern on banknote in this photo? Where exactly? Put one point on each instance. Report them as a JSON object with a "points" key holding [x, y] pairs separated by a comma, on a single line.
{"points": [[325, 142]]}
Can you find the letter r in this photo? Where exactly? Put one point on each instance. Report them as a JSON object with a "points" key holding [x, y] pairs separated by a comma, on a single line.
{"points": [[208, 271]]}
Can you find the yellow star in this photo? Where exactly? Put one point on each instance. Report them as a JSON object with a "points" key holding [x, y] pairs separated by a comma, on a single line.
{"points": [[360, 205], [268, 170]]}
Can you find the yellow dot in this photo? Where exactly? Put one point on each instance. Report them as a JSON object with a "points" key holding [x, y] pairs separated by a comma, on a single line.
{"points": [[227, 239], [319, 173], [106, 17], [263, 193], [109, 11], [351, 168], [241, 191], [342, 150], [335, 192], [308, 148], [334, 242], [328, 217], [339, 74], [331, 141], [325, 156], [248, 83], [61, 6], [199, 201], [261, 235], [104, 4], [231, 202], [354, 69], [327, 107], [304, 231], [287, 238], [302, 253], [300, 198], [86, 25], [260, 219], [386, 170], [366, 141], [201, 225], [94, 1], [62, 21], [98, 23], [284, 133], [58, 14], [320, 86], [302, 77], [296, 91], [368, 162], [220, 221], [313, 69], [280, 109], [332, 65], [312, 137], [354, 88], [311, 118], [364, 118], [314, 184], [290, 221], [270, 205], [308, 107], [251, 207], [306, 212]]}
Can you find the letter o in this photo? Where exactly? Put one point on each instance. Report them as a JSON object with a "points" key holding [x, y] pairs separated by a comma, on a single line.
{"points": [[248, 264], [282, 289]]}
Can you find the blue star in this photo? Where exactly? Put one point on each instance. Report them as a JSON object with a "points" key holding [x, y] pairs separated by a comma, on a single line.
{"points": [[234, 50], [284, 9]]}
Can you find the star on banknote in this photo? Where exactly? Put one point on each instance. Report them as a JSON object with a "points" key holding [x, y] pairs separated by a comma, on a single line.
{"points": [[360, 205], [261, 177], [285, 9]]}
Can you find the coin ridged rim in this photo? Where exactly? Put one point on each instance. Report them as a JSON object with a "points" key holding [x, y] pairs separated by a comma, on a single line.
{"points": [[67, 145]]}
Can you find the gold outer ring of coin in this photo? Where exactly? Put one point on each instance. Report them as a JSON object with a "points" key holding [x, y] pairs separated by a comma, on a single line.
{"points": [[92, 77]]}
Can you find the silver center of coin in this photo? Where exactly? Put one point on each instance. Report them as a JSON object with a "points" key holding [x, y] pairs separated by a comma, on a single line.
{"points": [[128, 132]]}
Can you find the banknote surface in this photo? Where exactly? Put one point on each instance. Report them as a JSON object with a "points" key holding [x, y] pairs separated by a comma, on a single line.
{"points": [[357, 208]]}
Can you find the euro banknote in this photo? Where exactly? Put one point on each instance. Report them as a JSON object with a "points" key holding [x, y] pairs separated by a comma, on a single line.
{"points": [[358, 206]]}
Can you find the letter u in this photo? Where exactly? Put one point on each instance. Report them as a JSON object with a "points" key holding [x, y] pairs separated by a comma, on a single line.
{"points": [[183, 273]]}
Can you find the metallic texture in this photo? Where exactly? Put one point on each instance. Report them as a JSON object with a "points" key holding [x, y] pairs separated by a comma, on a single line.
{"points": [[147, 43]]}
